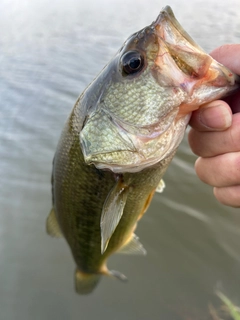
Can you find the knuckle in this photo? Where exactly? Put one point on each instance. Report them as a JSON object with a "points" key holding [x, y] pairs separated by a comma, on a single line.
{"points": [[234, 135]]}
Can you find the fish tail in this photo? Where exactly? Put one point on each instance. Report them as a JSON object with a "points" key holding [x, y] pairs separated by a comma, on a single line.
{"points": [[85, 283]]}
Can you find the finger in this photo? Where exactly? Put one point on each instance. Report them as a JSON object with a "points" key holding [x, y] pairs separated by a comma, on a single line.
{"points": [[210, 144], [229, 196], [228, 55], [220, 171], [214, 116]]}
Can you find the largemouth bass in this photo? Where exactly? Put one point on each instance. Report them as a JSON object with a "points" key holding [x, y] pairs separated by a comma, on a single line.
{"points": [[120, 138]]}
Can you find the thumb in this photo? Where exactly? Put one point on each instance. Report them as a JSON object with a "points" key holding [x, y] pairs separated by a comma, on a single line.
{"points": [[213, 116]]}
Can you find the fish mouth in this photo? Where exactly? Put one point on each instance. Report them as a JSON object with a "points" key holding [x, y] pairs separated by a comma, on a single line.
{"points": [[187, 66]]}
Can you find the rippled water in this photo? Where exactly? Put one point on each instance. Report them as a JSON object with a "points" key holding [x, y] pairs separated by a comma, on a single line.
{"points": [[49, 52]]}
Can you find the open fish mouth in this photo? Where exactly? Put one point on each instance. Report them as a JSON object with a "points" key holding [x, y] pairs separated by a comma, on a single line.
{"points": [[178, 49], [187, 63]]}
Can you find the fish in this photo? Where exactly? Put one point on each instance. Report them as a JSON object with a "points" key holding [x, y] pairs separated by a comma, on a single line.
{"points": [[119, 139]]}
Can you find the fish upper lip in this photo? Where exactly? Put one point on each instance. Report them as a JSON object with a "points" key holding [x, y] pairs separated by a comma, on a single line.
{"points": [[174, 34], [166, 11]]}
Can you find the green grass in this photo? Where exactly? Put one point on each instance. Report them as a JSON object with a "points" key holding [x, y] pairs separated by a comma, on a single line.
{"points": [[230, 310], [233, 310]]}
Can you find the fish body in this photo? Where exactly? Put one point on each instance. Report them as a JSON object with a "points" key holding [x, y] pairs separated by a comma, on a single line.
{"points": [[120, 138]]}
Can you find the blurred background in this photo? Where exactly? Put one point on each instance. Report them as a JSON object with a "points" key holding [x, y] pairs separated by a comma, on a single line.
{"points": [[49, 52]]}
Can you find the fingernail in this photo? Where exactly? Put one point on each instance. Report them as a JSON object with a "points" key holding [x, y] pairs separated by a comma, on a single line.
{"points": [[217, 117]]}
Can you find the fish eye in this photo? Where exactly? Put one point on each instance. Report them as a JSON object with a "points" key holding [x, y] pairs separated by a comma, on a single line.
{"points": [[132, 62]]}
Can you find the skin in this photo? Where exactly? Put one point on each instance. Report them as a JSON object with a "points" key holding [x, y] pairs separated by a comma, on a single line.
{"points": [[215, 134]]}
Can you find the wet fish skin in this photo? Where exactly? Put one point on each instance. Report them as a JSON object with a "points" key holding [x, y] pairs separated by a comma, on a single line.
{"points": [[120, 138]]}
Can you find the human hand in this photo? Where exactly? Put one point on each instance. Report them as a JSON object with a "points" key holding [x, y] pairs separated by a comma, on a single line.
{"points": [[215, 137]]}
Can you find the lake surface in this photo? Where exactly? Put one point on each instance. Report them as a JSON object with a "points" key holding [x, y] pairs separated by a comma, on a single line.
{"points": [[49, 52]]}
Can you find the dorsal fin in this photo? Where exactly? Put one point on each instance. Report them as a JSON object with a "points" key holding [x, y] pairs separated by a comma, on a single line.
{"points": [[112, 212]]}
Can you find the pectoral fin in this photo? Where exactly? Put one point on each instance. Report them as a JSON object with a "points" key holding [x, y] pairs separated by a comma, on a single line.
{"points": [[112, 212], [161, 186], [133, 246], [52, 225]]}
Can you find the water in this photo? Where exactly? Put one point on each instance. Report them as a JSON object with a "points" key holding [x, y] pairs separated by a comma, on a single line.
{"points": [[49, 52]]}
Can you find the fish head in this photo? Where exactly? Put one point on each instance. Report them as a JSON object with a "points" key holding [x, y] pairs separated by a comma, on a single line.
{"points": [[142, 100]]}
